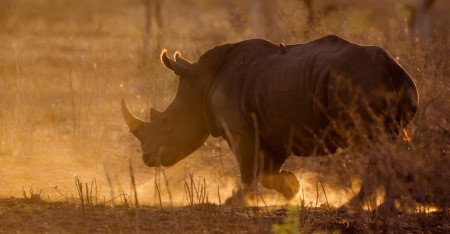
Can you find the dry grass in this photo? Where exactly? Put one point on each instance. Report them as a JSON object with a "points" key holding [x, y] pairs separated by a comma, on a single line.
{"points": [[64, 65]]}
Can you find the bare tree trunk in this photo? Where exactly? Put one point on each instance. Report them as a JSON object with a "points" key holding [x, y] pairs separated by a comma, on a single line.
{"points": [[148, 27], [236, 15], [254, 19], [159, 23], [270, 12], [419, 25], [7, 10], [315, 14], [263, 19], [153, 26], [311, 21]]}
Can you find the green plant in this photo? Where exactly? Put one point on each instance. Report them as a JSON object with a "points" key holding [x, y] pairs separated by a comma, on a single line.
{"points": [[290, 224]]}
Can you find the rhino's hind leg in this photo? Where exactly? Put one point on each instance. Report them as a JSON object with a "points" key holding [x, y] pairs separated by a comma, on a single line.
{"points": [[376, 176], [365, 197]]}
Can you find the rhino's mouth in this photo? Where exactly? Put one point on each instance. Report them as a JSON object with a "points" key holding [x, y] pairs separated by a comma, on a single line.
{"points": [[157, 163], [150, 161], [162, 158]]}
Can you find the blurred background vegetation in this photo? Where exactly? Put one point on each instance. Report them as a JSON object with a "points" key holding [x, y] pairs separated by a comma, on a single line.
{"points": [[64, 65]]}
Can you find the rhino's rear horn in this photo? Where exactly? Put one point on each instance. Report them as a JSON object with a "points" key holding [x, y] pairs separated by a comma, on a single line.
{"points": [[179, 59], [133, 123], [178, 68]]}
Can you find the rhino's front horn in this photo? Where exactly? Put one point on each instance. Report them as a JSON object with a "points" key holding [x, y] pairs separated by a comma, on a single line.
{"points": [[133, 123], [178, 68]]}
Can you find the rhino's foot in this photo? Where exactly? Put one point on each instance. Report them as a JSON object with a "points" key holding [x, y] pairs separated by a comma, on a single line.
{"points": [[387, 209], [284, 182], [290, 183], [351, 207], [243, 197], [356, 203], [238, 199]]}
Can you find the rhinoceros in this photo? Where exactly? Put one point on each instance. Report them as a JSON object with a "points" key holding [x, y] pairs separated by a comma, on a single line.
{"points": [[272, 101]]}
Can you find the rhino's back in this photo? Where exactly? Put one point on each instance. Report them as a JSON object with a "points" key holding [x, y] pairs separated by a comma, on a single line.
{"points": [[290, 93], [290, 83]]}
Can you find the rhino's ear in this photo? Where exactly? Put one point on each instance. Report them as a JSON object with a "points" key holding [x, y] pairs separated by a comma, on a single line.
{"points": [[178, 68], [154, 114]]}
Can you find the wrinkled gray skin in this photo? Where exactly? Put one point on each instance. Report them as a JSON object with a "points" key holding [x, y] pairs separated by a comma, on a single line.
{"points": [[282, 100]]}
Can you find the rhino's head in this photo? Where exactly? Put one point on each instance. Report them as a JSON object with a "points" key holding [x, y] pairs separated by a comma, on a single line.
{"points": [[178, 131]]}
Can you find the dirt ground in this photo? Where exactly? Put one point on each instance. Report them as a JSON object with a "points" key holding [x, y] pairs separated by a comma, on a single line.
{"points": [[38, 216]]}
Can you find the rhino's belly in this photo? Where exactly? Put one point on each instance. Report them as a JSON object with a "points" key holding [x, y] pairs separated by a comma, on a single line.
{"points": [[301, 140], [292, 124]]}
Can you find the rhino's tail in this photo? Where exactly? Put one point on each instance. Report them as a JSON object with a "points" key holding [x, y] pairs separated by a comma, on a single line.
{"points": [[407, 98]]}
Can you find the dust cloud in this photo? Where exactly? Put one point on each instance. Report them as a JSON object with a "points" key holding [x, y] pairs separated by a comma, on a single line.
{"points": [[65, 65]]}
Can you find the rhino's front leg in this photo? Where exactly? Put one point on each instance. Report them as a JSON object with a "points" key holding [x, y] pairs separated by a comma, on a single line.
{"points": [[263, 166], [243, 147], [243, 196], [282, 181]]}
